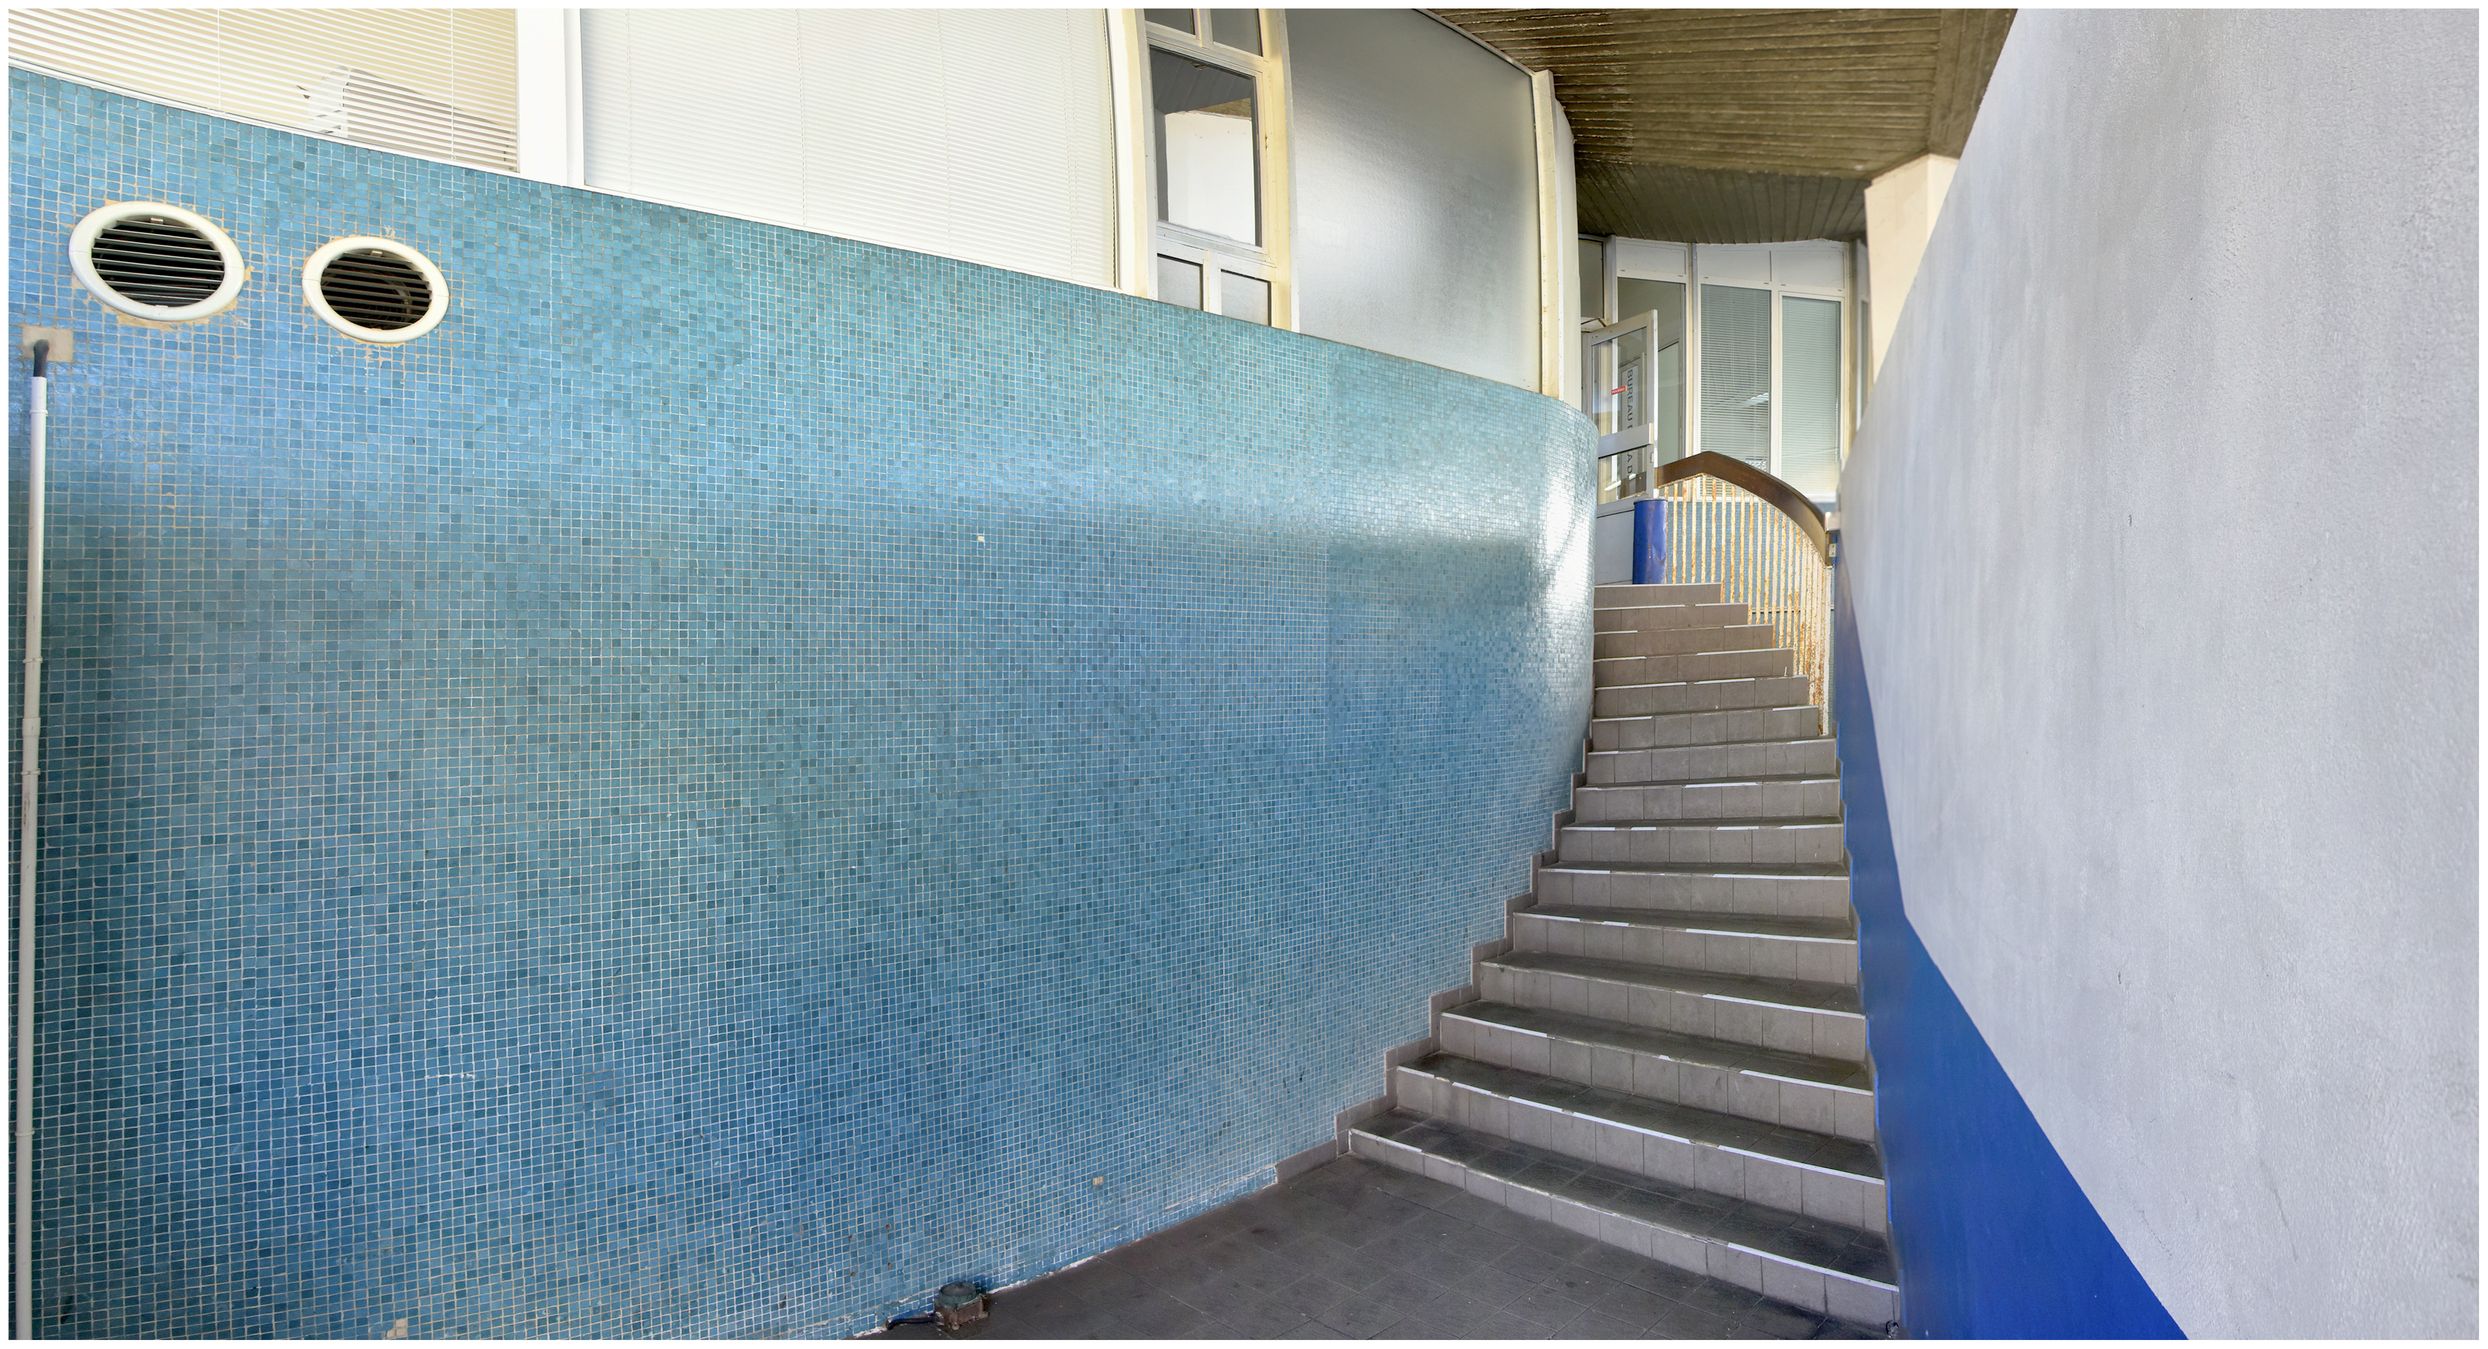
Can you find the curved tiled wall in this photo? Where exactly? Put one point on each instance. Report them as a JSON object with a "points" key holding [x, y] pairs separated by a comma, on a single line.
{"points": [[746, 775]]}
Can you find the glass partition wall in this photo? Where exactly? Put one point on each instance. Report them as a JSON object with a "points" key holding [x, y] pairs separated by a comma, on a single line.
{"points": [[1740, 350]]}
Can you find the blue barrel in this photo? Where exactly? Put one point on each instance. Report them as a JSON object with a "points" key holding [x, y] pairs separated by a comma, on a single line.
{"points": [[1649, 541]]}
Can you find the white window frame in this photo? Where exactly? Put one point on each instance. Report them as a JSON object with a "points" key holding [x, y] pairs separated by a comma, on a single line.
{"points": [[1660, 260], [551, 139], [1143, 236]]}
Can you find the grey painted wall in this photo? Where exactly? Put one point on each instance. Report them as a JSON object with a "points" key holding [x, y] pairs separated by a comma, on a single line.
{"points": [[1416, 189], [2163, 535]]}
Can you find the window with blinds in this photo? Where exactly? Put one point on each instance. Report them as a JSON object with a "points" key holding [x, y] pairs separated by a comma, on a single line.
{"points": [[436, 82], [1736, 373], [984, 135], [1810, 395]]}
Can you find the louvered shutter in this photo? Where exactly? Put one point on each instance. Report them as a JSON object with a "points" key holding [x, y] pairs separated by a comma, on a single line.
{"points": [[1736, 373], [436, 82]]}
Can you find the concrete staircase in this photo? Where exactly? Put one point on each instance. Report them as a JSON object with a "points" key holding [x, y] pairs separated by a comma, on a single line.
{"points": [[1668, 1053]]}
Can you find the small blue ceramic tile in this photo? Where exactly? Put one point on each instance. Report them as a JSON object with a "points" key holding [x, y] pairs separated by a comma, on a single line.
{"points": [[745, 776]]}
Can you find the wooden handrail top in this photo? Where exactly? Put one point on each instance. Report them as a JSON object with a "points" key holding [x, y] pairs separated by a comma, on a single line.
{"points": [[1737, 473]]}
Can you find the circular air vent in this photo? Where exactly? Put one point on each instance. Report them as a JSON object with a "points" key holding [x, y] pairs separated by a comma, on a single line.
{"points": [[153, 261], [376, 290]]}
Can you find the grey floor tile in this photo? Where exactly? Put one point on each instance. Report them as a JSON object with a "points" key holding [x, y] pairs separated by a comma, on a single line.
{"points": [[1767, 1320], [1554, 1306], [1490, 1282], [1355, 1251], [1595, 1325], [1684, 1323], [1363, 1318]]}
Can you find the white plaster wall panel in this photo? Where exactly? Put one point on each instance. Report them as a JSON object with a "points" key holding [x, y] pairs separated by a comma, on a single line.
{"points": [[2164, 547], [1649, 259], [985, 135], [1416, 190]]}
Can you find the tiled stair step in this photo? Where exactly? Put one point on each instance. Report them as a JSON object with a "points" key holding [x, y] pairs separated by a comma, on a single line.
{"points": [[1698, 695], [1791, 796], [1792, 891], [1808, 756], [1681, 641], [1762, 662], [1659, 617], [1821, 1096], [1792, 1016], [1843, 1272], [1634, 596], [1670, 729], [1838, 1180], [1817, 950], [1673, 842]]}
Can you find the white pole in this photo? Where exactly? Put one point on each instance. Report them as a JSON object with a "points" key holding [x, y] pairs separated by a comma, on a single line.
{"points": [[29, 719]]}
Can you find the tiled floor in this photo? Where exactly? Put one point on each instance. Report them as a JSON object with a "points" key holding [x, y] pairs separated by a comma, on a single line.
{"points": [[1354, 1251]]}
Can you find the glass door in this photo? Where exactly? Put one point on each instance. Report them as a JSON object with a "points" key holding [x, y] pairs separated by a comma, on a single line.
{"points": [[1619, 371]]}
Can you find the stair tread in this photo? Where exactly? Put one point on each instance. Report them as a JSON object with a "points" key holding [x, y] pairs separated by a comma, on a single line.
{"points": [[1742, 924], [1704, 1216], [1840, 999], [1771, 740], [1719, 712], [1706, 651], [1753, 780], [1702, 1049], [1752, 822], [1689, 683], [1756, 870], [1693, 1124], [1682, 655]]}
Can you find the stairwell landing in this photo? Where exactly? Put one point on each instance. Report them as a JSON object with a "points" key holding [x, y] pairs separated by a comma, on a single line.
{"points": [[1667, 1052]]}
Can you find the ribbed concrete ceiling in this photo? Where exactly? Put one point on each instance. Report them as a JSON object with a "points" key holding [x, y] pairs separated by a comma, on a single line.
{"points": [[1747, 126]]}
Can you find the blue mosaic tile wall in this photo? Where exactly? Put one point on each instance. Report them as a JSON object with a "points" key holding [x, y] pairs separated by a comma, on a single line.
{"points": [[745, 776]]}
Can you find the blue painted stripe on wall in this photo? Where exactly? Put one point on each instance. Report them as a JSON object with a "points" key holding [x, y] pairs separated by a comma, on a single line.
{"points": [[1994, 1236]]}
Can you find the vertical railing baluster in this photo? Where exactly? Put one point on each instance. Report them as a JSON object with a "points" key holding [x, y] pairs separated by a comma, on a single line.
{"points": [[1718, 532]]}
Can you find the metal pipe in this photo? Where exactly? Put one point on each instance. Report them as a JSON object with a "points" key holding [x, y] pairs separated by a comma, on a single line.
{"points": [[30, 720]]}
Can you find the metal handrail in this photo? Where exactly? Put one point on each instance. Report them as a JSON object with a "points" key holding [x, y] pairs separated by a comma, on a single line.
{"points": [[1763, 543]]}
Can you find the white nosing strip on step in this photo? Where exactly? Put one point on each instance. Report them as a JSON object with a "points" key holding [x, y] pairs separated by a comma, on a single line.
{"points": [[1825, 1270], [1575, 868], [1802, 1166], [1806, 1082], [1759, 936], [1783, 1006], [1628, 924], [1499, 1025]]}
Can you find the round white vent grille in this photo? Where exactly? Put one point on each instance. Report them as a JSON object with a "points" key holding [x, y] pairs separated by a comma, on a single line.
{"points": [[153, 261], [375, 290]]}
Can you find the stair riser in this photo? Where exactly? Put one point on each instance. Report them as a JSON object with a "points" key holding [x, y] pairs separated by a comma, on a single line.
{"points": [[1766, 663], [1665, 617], [1680, 641], [1851, 1201], [1706, 728], [1819, 799], [1635, 596], [1814, 960], [1794, 1030], [1701, 844], [1710, 763], [1811, 1106], [1778, 896], [1859, 1303], [1715, 695]]}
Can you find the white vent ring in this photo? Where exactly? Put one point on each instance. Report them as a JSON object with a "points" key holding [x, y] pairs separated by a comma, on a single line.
{"points": [[152, 260], [375, 290]]}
